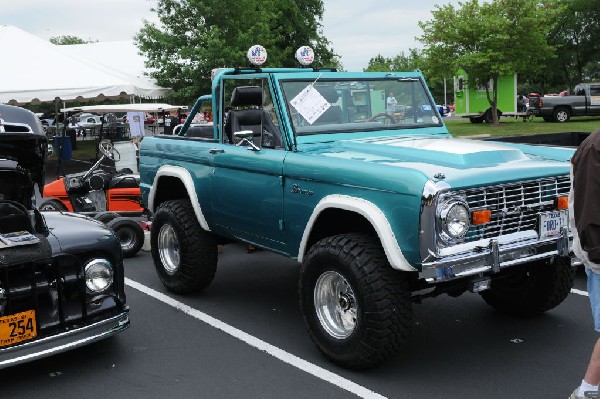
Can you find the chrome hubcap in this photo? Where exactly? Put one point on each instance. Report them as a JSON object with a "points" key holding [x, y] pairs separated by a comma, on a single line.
{"points": [[335, 304], [168, 249], [126, 238]]}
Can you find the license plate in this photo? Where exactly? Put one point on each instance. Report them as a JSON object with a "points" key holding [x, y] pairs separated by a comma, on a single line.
{"points": [[551, 223], [17, 327]]}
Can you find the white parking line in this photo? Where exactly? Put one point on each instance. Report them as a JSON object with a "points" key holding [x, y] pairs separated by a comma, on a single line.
{"points": [[259, 344], [579, 292]]}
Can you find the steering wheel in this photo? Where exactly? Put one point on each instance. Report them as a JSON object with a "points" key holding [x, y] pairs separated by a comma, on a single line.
{"points": [[108, 150], [384, 115]]}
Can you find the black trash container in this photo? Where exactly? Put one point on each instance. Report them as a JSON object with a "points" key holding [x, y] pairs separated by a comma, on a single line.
{"points": [[72, 133]]}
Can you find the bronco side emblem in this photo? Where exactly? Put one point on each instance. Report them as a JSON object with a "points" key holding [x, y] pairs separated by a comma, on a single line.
{"points": [[297, 190]]}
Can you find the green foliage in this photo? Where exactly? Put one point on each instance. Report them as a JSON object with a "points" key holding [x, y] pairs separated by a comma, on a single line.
{"points": [[196, 36], [67, 39], [490, 39], [399, 63], [576, 37], [415, 60], [510, 126]]}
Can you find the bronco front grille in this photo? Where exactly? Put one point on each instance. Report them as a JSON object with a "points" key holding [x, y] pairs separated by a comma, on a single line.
{"points": [[514, 206]]}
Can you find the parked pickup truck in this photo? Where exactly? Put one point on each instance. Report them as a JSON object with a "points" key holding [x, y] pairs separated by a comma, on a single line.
{"points": [[586, 101], [381, 210]]}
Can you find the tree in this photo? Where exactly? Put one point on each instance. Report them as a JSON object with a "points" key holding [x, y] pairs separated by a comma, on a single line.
{"points": [[489, 40], [415, 60], [400, 62], [197, 36], [576, 36], [67, 39]]}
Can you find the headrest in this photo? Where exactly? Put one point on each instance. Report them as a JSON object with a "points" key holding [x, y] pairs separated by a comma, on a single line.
{"points": [[328, 92], [247, 95]]}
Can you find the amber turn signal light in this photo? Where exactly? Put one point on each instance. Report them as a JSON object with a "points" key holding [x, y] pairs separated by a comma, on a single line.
{"points": [[481, 217], [561, 203]]}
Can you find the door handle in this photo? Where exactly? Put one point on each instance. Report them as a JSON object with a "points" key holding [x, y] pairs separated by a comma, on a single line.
{"points": [[216, 151]]}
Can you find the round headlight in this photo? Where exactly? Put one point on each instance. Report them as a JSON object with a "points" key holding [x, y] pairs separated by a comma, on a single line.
{"points": [[98, 275], [455, 220]]}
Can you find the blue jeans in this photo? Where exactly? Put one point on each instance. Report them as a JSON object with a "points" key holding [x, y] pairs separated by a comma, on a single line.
{"points": [[593, 287]]}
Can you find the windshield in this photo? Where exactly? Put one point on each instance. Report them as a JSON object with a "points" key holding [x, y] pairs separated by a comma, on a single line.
{"points": [[328, 106]]}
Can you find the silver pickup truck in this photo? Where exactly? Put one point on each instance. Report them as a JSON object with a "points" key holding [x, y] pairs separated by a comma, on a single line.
{"points": [[586, 101]]}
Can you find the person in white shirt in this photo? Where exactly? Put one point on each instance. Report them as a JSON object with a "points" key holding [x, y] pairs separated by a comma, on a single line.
{"points": [[136, 126], [391, 103]]}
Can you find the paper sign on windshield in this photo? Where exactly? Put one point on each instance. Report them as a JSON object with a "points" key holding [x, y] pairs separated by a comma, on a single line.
{"points": [[310, 104]]}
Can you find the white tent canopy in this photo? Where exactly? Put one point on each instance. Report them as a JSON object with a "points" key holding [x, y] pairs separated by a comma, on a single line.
{"points": [[33, 69], [130, 62], [158, 107]]}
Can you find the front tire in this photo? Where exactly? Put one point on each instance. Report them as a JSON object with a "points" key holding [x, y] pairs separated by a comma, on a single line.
{"points": [[535, 289], [184, 254], [356, 308]]}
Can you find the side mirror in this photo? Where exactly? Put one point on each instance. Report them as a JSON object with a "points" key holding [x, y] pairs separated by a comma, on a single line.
{"points": [[244, 136]]}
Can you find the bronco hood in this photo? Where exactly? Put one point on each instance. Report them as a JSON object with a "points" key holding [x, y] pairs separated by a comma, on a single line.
{"points": [[459, 162], [23, 144]]}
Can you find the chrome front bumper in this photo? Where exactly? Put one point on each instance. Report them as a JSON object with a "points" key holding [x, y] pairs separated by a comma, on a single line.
{"points": [[495, 256], [62, 342]]}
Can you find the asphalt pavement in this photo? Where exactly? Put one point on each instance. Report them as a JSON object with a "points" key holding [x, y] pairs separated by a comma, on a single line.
{"points": [[243, 337]]}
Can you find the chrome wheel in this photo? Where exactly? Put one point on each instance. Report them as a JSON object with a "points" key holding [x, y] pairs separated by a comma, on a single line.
{"points": [[168, 248], [126, 238], [335, 304]]}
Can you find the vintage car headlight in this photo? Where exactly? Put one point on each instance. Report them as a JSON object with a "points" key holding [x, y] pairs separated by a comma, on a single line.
{"points": [[98, 275], [454, 219]]}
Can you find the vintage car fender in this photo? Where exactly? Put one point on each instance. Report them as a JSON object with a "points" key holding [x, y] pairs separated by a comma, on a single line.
{"points": [[185, 177], [369, 211]]}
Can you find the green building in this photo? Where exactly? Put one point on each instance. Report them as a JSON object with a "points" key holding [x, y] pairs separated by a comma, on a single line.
{"points": [[470, 98]]}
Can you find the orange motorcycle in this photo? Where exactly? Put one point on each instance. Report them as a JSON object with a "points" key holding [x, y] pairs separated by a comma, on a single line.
{"points": [[112, 197]]}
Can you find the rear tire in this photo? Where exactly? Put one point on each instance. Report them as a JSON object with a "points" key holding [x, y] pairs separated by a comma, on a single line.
{"points": [[184, 254], [106, 217], [52, 205], [130, 235], [356, 308], [535, 289], [561, 115]]}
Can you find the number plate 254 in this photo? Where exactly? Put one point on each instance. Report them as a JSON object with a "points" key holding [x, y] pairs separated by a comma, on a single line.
{"points": [[17, 328]]}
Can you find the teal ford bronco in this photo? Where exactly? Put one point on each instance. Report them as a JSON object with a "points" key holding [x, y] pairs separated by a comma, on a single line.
{"points": [[379, 204]]}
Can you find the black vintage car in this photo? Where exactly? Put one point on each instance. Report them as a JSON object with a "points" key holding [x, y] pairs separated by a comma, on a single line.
{"points": [[61, 274]]}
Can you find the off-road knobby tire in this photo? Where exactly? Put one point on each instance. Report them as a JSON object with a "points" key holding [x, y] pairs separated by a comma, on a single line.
{"points": [[52, 205], [130, 235], [384, 315], [197, 248], [537, 288], [561, 115]]}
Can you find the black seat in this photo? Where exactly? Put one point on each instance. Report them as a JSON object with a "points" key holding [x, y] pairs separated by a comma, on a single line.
{"points": [[256, 119], [333, 114], [204, 131]]}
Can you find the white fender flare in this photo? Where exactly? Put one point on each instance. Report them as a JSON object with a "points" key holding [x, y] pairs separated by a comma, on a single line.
{"points": [[373, 214], [185, 177]]}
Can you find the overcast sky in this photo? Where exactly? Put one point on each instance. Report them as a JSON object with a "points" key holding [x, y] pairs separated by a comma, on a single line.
{"points": [[357, 29]]}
